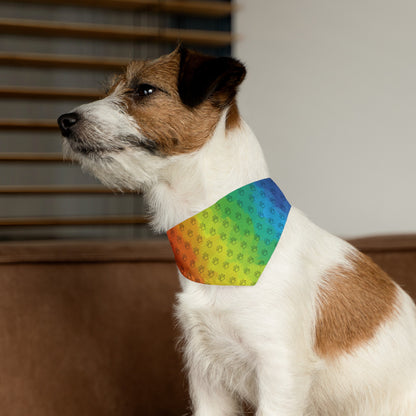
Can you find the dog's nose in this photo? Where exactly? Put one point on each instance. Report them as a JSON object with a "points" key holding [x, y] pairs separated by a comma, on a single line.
{"points": [[66, 122]]}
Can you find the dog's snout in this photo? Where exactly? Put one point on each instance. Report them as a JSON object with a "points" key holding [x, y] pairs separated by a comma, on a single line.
{"points": [[66, 122]]}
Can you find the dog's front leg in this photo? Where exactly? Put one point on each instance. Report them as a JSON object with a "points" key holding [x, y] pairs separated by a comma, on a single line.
{"points": [[283, 383], [211, 400]]}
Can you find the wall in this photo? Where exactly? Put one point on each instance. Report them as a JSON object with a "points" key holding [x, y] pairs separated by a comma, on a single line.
{"points": [[331, 95]]}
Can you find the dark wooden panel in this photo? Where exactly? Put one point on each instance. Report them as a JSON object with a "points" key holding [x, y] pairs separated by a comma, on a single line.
{"points": [[71, 251], [385, 243]]}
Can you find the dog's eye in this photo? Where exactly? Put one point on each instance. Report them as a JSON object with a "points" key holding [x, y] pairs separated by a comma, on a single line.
{"points": [[144, 90]]}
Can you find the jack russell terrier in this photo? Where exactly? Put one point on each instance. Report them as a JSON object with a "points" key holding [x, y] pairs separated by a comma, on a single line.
{"points": [[275, 312]]}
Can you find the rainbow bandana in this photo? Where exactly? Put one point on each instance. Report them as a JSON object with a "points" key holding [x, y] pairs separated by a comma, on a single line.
{"points": [[231, 242]]}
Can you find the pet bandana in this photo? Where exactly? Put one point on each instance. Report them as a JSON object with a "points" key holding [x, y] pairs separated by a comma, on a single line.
{"points": [[231, 242]]}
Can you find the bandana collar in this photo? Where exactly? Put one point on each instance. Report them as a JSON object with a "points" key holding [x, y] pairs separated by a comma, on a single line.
{"points": [[231, 242]]}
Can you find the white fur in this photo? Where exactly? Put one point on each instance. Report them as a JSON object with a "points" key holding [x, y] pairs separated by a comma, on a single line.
{"points": [[257, 343]]}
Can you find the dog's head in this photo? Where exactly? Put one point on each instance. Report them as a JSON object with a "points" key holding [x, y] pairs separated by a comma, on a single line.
{"points": [[154, 111]]}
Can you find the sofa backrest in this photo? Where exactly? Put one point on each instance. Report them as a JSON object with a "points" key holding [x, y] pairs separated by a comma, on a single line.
{"points": [[86, 328]]}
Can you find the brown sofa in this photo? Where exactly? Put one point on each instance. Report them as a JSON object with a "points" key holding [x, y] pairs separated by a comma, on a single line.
{"points": [[86, 328]]}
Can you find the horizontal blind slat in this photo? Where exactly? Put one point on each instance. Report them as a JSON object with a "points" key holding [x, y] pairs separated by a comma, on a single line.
{"points": [[95, 31], [60, 190], [71, 221], [50, 93], [194, 7], [28, 125], [61, 61], [32, 157]]}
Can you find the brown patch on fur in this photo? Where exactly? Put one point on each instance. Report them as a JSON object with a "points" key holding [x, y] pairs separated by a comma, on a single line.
{"points": [[233, 116], [162, 117], [354, 302]]}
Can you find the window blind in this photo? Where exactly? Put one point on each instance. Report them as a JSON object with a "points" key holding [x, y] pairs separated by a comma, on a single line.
{"points": [[56, 55]]}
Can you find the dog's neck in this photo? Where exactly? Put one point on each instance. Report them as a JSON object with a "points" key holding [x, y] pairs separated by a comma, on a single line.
{"points": [[190, 183]]}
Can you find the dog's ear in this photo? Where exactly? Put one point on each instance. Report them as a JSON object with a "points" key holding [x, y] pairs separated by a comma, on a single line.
{"points": [[202, 77]]}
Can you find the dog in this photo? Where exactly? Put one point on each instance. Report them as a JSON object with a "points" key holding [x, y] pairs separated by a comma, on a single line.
{"points": [[321, 330]]}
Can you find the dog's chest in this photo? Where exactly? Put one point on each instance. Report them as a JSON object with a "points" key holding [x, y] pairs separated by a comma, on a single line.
{"points": [[215, 344]]}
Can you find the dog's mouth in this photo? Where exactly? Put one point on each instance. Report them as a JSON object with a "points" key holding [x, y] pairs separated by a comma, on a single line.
{"points": [[85, 148], [88, 147]]}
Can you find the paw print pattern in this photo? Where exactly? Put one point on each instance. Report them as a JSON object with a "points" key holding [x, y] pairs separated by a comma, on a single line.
{"points": [[231, 242]]}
